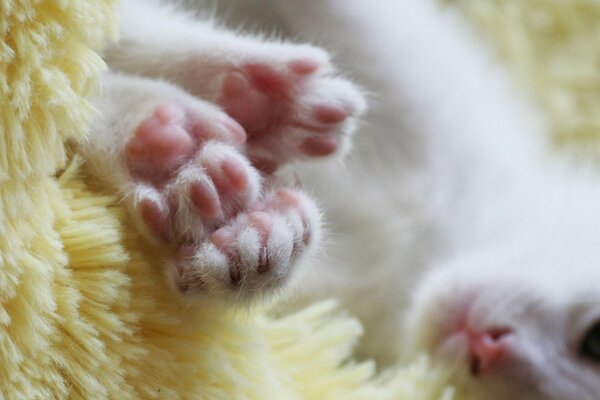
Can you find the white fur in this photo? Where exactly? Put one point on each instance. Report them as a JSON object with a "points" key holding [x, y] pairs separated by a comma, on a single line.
{"points": [[451, 179]]}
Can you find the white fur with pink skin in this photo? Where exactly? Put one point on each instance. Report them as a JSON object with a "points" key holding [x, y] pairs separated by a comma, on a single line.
{"points": [[169, 143]]}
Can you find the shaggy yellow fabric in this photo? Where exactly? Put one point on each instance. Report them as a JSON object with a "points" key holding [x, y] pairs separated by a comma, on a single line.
{"points": [[47, 65], [552, 47], [84, 309]]}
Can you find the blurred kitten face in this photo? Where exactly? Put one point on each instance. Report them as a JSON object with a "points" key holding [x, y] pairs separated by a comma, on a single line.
{"points": [[526, 333]]}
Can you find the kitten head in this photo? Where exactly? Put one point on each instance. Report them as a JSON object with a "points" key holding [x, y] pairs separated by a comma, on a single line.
{"points": [[514, 327]]}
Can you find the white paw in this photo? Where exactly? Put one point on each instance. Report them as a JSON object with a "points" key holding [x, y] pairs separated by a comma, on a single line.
{"points": [[290, 104], [255, 252], [188, 174]]}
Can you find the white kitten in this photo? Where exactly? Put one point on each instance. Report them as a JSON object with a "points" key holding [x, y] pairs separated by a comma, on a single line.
{"points": [[453, 180], [449, 178]]}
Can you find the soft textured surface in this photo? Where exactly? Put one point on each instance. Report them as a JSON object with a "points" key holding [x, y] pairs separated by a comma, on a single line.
{"points": [[47, 64], [84, 308], [552, 47]]}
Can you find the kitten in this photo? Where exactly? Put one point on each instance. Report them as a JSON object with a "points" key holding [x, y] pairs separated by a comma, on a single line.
{"points": [[195, 121], [457, 231]]}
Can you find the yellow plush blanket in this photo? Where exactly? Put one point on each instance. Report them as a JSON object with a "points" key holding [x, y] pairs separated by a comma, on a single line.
{"points": [[84, 310], [552, 48]]}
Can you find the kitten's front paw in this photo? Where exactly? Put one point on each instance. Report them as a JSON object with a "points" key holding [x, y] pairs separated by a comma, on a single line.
{"points": [[255, 252], [188, 176], [291, 105]]}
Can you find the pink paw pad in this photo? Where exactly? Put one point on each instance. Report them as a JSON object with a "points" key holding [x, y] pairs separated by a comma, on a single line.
{"points": [[161, 141], [235, 178], [167, 139], [206, 199], [228, 178], [224, 237], [319, 146], [330, 113], [285, 200]]}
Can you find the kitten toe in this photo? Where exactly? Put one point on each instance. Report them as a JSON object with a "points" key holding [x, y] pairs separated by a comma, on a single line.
{"points": [[255, 253], [160, 143]]}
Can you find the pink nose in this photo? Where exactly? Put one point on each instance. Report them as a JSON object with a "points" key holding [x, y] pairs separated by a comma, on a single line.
{"points": [[486, 348]]}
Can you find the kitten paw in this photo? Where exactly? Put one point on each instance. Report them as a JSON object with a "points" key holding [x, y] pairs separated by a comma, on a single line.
{"points": [[292, 107], [188, 175], [255, 252]]}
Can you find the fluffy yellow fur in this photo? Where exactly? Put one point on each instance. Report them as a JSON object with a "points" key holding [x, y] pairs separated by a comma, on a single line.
{"points": [[47, 65]]}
